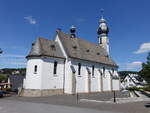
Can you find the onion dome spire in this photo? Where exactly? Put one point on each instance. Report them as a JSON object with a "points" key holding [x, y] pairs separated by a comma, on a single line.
{"points": [[103, 28]]}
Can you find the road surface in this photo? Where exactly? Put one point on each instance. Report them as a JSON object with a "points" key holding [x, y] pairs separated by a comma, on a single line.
{"points": [[12, 106]]}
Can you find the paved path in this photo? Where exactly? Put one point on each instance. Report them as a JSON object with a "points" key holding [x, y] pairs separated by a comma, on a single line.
{"points": [[10, 106], [119, 100]]}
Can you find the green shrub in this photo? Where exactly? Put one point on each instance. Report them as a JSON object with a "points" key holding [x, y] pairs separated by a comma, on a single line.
{"points": [[133, 89], [3, 77], [146, 88]]}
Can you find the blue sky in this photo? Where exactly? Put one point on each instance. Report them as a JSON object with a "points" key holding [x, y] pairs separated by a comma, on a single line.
{"points": [[22, 21]]}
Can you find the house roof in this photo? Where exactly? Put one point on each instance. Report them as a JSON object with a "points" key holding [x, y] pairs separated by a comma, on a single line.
{"points": [[82, 49], [137, 82], [44, 47]]}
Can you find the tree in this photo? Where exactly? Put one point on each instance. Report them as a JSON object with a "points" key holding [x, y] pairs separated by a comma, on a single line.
{"points": [[145, 71], [3, 77]]}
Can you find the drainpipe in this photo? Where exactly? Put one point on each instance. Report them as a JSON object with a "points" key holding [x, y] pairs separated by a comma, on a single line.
{"points": [[89, 83], [101, 77], [101, 80], [64, 77], [111, 84]]}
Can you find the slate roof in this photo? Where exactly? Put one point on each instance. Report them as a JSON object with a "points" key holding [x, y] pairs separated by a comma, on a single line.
{"points": [[82, 49], [44, 47], [74, 47]]}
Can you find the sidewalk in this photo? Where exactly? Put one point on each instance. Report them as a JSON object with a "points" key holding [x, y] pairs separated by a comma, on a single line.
{"points": [[119, 100]]}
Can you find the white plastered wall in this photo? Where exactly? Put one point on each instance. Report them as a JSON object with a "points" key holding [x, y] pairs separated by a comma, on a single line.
{"points": [[82, 79], [33, 80], [49, 79], [116, 82], [44, 78]]}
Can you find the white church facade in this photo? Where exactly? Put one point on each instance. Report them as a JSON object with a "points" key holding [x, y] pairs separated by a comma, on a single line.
{"points": [[70, 65]]}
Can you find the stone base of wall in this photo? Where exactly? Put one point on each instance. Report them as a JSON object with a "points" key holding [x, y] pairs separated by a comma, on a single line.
{"points": [[39, 93], [50, 92]]}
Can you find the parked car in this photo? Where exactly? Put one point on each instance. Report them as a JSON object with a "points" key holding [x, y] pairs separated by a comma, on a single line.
{"points": [[1, 93]]}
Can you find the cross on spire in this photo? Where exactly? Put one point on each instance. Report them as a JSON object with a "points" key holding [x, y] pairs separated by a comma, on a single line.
{"points": [[102, 12]]}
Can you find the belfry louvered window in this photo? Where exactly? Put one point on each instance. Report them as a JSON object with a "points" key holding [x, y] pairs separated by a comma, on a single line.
{"points": [[55, 68]]}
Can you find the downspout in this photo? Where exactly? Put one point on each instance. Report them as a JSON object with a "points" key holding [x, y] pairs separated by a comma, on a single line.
{"points": [[89, 79], [89, 83], [111, 82], [101, 77], [64, 77], [101, 80]]}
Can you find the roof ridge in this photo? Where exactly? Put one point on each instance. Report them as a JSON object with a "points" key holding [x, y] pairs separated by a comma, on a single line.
{"points": [[78, 38]]}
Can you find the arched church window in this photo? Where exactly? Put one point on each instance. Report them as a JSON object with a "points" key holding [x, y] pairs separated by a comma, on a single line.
{"points": [[35, 69], [55, 68], [100, 40], [79, 68], [93, 70]]}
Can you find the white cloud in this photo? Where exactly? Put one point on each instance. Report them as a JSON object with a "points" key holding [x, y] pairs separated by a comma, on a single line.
{"points": [[12, 60], [145, 47], [80, 20], [30, 19], [133, 65], [18, 63], [12, 56]]}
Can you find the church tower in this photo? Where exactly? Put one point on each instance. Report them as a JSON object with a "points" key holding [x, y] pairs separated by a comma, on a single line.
{"points": [[103, 34]]}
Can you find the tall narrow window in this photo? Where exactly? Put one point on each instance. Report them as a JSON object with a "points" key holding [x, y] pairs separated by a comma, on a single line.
{"points": [[55, 68], [112, 70], [35, 69], [104, 71], [93, 70], [79, 68], [100, 40]]}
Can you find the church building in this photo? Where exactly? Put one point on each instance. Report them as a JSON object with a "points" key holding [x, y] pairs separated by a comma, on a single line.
{"points": [[70, 65]]}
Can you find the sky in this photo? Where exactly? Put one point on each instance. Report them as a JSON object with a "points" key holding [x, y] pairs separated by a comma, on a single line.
{"points": [[22, 21]]}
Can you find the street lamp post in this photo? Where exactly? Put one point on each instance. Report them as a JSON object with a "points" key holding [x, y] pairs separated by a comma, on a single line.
{"points": [[77, 98], [114, 97]]}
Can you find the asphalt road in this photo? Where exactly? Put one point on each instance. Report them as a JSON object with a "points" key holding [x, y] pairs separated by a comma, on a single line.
{"points": [[68, 104], [12, 106]]}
